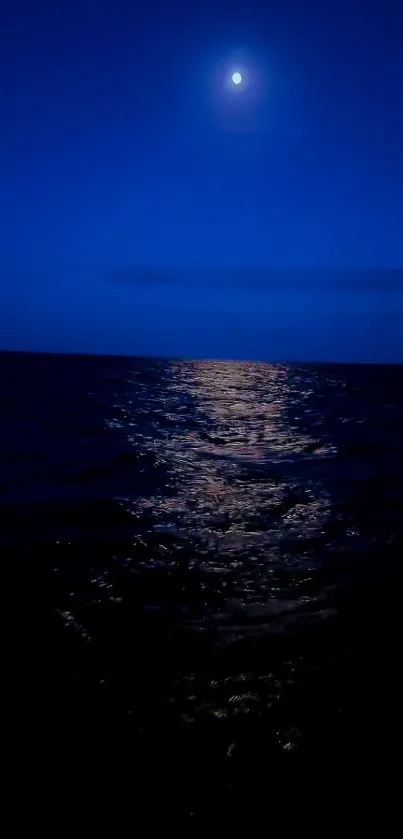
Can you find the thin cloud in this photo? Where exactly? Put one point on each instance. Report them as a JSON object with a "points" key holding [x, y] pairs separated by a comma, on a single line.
{"points": [[140, 277], [309, 279]]}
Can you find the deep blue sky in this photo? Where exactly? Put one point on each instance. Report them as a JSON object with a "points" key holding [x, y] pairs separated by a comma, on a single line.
{"points": [[148, 207]]}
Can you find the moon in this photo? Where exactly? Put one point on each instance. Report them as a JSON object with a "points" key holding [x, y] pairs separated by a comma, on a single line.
{"points": [[236, 78]]}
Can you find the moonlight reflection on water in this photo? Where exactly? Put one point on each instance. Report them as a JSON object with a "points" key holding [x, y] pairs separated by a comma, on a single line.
{"points": [[231, 451]]}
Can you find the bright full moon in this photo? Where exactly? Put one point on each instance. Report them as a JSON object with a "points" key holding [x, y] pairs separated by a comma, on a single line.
{"points": [[236, 78]]}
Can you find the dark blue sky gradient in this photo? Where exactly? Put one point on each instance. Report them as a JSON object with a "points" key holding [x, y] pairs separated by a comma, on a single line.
{"points": [[148, 208]]}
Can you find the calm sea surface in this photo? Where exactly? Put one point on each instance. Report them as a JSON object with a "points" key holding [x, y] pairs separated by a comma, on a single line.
{"points": [[202, 579]]}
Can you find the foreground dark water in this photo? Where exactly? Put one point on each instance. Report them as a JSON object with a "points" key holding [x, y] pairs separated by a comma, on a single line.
{"points": [[202, 584]]}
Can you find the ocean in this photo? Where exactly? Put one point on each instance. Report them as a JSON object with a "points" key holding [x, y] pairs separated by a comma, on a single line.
{"points": [[201, 568]]}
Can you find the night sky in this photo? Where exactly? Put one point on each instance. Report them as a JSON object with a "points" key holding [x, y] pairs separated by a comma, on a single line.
{"points": [[150, 206]]}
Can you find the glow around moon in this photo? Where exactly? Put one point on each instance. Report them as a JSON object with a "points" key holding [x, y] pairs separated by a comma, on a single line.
{"points": [[236, 78]]}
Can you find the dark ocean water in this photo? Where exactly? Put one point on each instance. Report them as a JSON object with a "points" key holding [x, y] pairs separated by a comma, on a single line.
{"points": [[201, 568]]}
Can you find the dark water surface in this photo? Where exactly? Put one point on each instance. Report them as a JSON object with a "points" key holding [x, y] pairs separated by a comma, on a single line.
{"points": [[201, 568]]}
